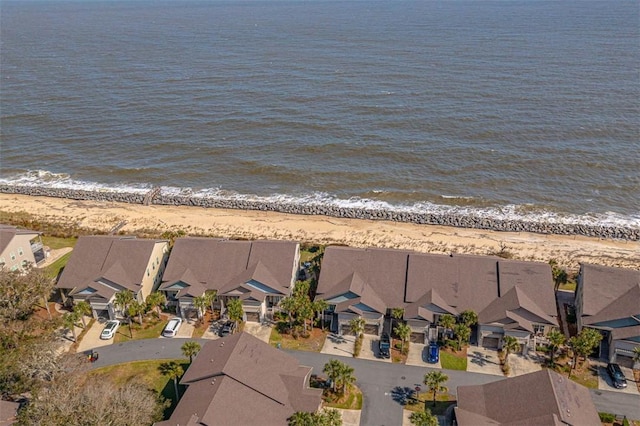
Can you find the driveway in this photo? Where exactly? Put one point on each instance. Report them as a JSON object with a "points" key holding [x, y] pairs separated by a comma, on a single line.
{"points": [[262, 332], [605, 382], [523, 364], [371, 349], [91, 339], [484, 361], [338, 345], [418, 356]]}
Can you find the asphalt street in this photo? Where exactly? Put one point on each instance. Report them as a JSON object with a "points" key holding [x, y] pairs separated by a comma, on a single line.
{"points": [[383, 384]]}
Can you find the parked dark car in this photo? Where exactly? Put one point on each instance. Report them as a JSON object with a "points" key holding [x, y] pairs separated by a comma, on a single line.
{"points": [[619, 381], [227, 328], [434, 353], [385, 346]]}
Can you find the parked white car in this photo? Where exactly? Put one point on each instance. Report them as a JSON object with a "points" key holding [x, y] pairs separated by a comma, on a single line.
{"points": [[109, 329], [171, 329]]}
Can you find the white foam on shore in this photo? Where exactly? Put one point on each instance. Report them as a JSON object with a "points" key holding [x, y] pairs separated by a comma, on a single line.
{"points": [[523, 213]]}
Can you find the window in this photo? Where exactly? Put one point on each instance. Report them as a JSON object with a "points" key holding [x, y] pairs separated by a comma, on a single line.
{"points": [[13, 256], [20, 252], [538, 329]]}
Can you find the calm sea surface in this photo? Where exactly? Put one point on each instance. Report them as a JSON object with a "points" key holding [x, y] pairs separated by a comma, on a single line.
{"points": [[498, 108]]}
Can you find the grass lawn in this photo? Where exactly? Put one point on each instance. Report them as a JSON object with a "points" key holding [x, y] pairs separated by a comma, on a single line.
{"points": [[313, 343], [151, 328], [54, 269], [453, 361], [569, 285], [425, 400], [147, 372], [55, 243]]}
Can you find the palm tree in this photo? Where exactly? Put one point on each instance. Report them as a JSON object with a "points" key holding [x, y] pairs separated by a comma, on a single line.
{"points": [[556, 338], [174, 371], [82, 308], [331, 417], [357, 326], [200, 303], [447, 322], [403, 331], [346, 377], [397, 314], [301, 418], [235, 311], [212, 296], [423, 418], [468, 318], [288, 304], [319, 306], [190, 349], [332, 370], [435, 380], [636, 355], [156, 299], [462, 332], [69, 320], [123, 300], [509, 345], [136, 308]]}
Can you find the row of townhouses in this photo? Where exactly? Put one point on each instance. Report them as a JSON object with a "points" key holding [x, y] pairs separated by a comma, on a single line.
{"points": [[514, 298]]}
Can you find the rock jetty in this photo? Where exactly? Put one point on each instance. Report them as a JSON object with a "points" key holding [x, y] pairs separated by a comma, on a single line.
{"points": [[156, 197]]}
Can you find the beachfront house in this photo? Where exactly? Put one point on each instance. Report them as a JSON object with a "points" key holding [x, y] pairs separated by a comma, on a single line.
{"points": [[364, 283], [260, 273], [540, 398], [102, 266], [608, 299], [241, 380], [511, 298], [20, 248]]}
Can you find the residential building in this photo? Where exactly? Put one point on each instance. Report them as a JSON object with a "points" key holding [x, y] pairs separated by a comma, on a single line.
{"points": [[510, 297], [102, 266], [260, 273], [558, 401], [19, 248], [241, 380], [608, 299], [361, 283]]}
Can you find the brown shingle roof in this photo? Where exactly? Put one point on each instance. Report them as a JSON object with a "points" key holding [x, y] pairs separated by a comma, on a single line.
{"points": [[380, 271], [515, 306], [509, 402], [224, 265], [464, 282], [428, 305], [602, 285], [118, 260], [625, 306], [241, 380]]}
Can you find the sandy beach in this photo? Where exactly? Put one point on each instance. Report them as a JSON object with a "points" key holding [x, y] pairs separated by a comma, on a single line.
{"points": [[569, 251]]}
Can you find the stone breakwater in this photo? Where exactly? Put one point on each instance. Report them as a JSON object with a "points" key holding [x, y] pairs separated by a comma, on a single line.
{"points": [[460, 221]]}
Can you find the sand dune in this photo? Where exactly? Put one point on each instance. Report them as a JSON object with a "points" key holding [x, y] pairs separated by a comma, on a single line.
{"points": [[569, 251]]}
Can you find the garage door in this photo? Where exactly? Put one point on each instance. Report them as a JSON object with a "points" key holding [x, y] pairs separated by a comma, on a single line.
{"points": [[253, 316], [490, 342], [371, 329], [102, 314]]}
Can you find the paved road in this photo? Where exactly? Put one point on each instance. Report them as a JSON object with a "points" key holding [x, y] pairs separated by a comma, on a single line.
{"points": [[380, 382]]}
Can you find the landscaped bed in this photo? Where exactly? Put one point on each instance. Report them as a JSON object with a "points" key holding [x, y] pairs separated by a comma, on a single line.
{"points": [[151, 328], [350, 400], [313, 343]]}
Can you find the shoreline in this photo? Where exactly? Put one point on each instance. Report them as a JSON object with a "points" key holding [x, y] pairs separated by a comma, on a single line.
{"points": [[468, 221], [129, 218]]}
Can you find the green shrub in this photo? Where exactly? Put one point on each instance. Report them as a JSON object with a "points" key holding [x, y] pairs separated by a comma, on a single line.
{"points": [[607, 417], [357, 347]]}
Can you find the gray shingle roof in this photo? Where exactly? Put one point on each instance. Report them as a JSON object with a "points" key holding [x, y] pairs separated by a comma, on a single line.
{"points": [[603, 285]]}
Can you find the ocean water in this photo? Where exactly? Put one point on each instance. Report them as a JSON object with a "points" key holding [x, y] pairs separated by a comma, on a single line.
{"points": [[506, 109]]}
